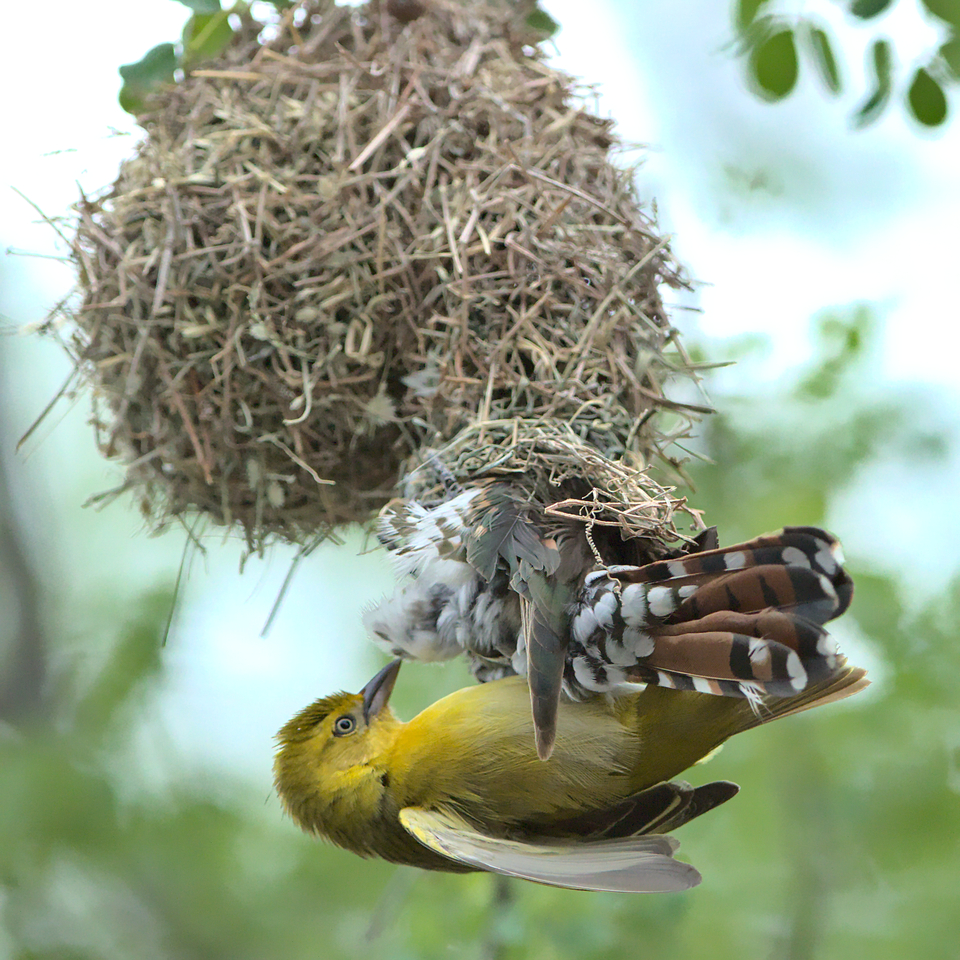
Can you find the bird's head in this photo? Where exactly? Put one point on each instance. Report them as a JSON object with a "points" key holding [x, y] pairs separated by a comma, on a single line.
{"points": [[327, 751]]}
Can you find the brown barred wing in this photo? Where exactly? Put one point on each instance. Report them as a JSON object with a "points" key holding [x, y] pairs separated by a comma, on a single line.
{"points": [[744, 621], [801, 570]]}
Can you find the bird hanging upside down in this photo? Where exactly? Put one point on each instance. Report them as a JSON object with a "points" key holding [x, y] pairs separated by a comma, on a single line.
{"points": [[460, 787], [489, 573]]}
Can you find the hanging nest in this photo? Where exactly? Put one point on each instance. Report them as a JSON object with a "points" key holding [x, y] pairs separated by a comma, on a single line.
{"points": [[354, 240]]}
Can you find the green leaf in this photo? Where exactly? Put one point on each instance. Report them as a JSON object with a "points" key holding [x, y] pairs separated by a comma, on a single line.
{"points": [[867, 9], [747, 11], [881, 58], [542, 22], [926, 99], [823, 58], [773, 65], [205, 35], [946, 10], [140, 79], [950, 54], [202, 6]]}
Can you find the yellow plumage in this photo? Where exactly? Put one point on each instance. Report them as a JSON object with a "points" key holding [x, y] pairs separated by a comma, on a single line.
{"points": [[464, 776]]}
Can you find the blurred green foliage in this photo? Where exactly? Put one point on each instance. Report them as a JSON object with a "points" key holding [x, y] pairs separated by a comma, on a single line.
{"points": [[841, 844]]}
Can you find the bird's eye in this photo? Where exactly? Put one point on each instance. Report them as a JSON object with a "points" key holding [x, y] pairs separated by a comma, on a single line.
{"points": [[344, 725]]}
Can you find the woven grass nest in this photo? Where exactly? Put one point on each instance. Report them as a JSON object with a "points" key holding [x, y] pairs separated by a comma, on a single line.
{"points": [[551, 465], [355, 241]]}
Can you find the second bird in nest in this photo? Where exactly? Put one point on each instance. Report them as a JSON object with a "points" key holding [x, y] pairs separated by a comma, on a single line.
{"points": [[487, 572]]}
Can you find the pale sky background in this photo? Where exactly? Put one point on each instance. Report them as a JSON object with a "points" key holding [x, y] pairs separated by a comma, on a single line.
{"points": [[837, 217]]}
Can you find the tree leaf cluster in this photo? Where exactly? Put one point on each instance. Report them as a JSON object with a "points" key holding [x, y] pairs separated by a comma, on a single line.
{"points": [[775, 45], [208, 31]]}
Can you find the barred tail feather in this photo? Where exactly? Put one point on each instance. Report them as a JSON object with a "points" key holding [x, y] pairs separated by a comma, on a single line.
{"points": [[785, 587], [808, 639], [715, 655], [671, 680], [847, 681], [778, 653], [798, 568]]}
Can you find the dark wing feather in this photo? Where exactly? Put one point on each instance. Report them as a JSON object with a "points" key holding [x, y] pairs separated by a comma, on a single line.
{"points": [[662, 807], [502, 530]]}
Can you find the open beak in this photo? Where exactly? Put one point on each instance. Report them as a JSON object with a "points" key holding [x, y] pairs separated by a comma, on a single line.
{"points": [[377, 692]]}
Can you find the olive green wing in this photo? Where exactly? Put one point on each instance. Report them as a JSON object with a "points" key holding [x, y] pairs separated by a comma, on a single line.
{"points": [[633, 864]]}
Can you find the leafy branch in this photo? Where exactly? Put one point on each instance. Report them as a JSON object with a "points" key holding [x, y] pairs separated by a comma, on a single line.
{"points": [[774, 45]]}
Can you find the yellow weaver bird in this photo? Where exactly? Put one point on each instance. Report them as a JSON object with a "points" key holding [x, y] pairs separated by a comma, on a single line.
{"points": [[460, 787]]}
